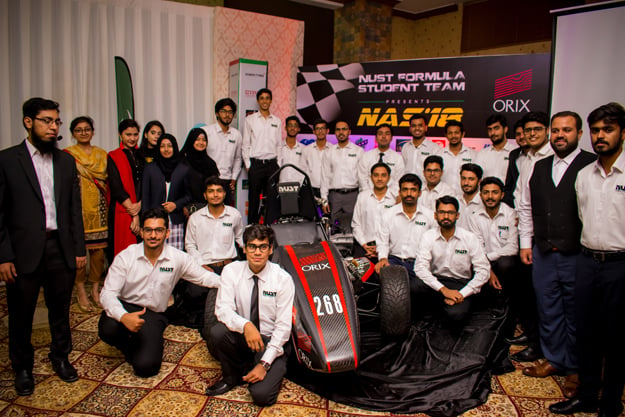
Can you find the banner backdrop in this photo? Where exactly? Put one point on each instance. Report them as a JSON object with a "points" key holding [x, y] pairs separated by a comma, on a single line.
{"points": [[466, 89]]}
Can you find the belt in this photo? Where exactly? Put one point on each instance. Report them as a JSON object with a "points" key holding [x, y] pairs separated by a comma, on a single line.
{"points": [[603, 255], [220, 263], [344, 190], [404, 259], [263, 161], [52, 234]]}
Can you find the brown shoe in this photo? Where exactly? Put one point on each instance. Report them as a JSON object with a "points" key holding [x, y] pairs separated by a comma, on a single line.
{"points": [[570, 386], [540, 370]]}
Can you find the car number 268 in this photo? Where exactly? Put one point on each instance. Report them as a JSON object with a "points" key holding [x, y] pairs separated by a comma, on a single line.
{"points": [[327, 305]]}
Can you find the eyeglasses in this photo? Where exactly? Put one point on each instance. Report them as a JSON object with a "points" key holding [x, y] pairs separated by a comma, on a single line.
{"points": [[157, 230], [86, 131], [48, 121], [537, 129], [263, 248], [226, 112]]}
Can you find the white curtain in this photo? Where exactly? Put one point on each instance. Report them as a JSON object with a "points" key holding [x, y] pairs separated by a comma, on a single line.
{"points": [[65, 49]]}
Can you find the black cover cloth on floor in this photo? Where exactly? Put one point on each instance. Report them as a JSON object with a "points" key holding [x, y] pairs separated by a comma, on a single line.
{"points": [[435, 370]]}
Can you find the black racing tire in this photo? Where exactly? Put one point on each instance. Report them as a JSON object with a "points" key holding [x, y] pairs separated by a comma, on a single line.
{"points": [[209, 318], [394, 301]]}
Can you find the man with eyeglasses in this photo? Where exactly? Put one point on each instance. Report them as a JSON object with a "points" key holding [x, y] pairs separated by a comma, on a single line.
{"points": [[550, 230], [434, 187], [224, 146], [262, 139], [339, 178], [383, 153], [42, 241], [452, 263], [137, 288], [254, 308]]}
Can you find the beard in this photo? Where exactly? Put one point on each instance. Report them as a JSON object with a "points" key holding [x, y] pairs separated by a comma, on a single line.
{"points": [[44, 147]]}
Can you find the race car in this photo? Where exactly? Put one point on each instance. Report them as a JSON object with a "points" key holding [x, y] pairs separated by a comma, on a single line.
{"points": [[331, 292]]}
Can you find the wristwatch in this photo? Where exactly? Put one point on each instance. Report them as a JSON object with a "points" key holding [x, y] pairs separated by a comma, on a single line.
{"points": [[266, 365]]}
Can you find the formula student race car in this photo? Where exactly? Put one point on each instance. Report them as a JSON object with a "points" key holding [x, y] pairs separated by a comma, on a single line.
{"points": [[332, 293]]}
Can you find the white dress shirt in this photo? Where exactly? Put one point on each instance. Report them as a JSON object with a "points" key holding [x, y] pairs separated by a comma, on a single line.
{"points": [[44, 168], [466, 210], [525, 164], [339, 168], [452, 164], [391, 158], [460, 257], [494, 163], [262, 138], [415, 155], [524, 207], [368, 213], [275, 305], [225, 149], [400, 235], [293, 156], [209, 239], [600, 200], [314, 159], [499, 235], [133, 278], [428, 197]]}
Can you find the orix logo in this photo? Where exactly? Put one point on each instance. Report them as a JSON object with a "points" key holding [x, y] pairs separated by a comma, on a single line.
{"points": [[512, 84], [314, 262]]}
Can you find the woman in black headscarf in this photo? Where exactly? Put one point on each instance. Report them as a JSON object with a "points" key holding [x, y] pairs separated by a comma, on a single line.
{"points": [[201, 166], [166, 184]]}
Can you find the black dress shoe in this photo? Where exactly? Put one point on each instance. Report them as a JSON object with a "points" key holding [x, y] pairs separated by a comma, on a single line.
{"points": [[218, 388], [521, 339], [24, 382], [572, 406], [528, 354], [64, 370]]}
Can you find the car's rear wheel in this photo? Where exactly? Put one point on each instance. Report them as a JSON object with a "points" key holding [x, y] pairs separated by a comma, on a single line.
{"points": [[394, 301]]}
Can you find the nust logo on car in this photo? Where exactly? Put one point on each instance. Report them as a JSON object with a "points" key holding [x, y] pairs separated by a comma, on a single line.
{"points": [[288, 188]]}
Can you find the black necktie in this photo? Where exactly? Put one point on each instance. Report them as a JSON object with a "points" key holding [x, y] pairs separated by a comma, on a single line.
{"points": [[254, 316], [381, 160]]}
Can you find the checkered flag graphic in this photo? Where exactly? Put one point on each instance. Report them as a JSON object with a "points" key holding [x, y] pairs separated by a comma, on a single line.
{"points": [[319, 90]]}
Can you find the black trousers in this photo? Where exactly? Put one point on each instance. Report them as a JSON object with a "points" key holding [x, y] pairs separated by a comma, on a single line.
{"points": [[600, 316], [237, 360], [258, 174], [427, 298], [57, 281], [143, 349]]}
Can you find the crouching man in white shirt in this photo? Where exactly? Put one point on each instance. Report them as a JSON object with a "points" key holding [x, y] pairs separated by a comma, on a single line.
{"points": [[254, 308], [452, 262], [135, 293]]}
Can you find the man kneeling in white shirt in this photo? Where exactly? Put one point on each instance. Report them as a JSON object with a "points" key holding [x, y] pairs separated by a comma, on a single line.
{"points": [[452, 262], [136, 289], [254, 308]]}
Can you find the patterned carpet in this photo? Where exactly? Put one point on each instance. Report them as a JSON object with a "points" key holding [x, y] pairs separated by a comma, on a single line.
{"points": [[107, 386]]}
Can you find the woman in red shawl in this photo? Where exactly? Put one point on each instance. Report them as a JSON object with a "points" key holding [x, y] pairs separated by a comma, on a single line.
{"points": [[125, 167]]}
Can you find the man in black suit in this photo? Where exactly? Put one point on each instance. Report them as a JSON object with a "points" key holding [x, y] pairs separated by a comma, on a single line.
{"points": [[41, 239]]}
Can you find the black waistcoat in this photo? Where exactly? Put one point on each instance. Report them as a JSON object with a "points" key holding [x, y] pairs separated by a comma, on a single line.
{"points": [[554, 209]]}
